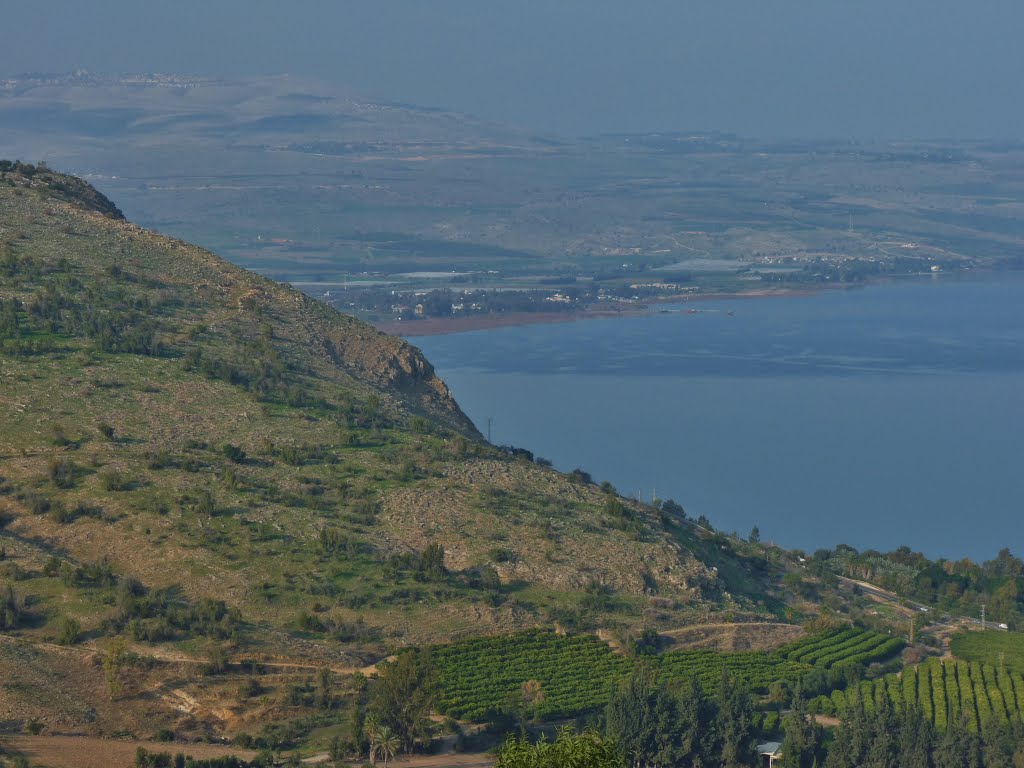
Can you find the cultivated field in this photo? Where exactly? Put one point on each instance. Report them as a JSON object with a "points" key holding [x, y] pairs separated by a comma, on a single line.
{"points": [[577, 673], [944, 692], [991, 648]]}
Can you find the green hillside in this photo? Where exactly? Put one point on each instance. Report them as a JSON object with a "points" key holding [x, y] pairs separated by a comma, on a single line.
{"points": [[196, 458]]}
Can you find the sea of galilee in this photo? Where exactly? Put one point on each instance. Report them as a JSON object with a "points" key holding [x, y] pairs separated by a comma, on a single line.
{"points": [[873, 417]]}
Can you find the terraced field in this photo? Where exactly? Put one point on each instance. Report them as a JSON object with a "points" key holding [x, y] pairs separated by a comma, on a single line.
{"points": [[845, 646]]}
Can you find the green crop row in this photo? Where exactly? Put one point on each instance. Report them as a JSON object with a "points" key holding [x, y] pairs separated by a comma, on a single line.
{"points": [[944, 692], [577, 673], [797, 650], [842, 646]]}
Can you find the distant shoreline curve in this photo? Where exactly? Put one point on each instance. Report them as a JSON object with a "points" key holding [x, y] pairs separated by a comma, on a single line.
{"points": [[440, 326]]}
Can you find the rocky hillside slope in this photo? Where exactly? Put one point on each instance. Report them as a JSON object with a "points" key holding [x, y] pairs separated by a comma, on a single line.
{"points": [[193, 456]]}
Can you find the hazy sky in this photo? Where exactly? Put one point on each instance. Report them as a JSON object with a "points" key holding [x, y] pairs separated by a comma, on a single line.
{"points": [[842, 68]]}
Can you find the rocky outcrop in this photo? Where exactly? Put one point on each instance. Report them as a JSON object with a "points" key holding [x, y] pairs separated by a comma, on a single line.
{"points": [[388, 363], [70, 189]]}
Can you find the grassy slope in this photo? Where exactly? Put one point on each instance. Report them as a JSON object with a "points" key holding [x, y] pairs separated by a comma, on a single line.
{"points": [[371, 448]]}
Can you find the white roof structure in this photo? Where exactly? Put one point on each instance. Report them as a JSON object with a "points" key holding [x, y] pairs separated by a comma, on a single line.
{"points": [[770, 749]]}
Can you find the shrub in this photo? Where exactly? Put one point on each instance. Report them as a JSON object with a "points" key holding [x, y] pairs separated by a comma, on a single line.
{"points": [[69, 631], [12, 609], [501, 555], [62, 473], [84, 509], [206, 504], [57, 436], [60, 514], [112, 480], [35, 503], [233, 453], [159, 459], [217, 662]]}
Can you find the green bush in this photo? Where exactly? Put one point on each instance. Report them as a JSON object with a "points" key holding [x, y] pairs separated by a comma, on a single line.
{"points": [[233, 453], [69, 631], [62, 473], [112, 480], [36, 503]]}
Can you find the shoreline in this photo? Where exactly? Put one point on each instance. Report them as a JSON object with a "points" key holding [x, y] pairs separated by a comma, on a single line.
{"points": [[442, 326]]}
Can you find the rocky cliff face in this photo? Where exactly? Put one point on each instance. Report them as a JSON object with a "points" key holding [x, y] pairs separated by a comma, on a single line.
{"points": [[390, 364]]}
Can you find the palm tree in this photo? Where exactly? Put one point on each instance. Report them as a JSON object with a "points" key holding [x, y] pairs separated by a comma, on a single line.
{"points": [[372, 731], [387, 743]]}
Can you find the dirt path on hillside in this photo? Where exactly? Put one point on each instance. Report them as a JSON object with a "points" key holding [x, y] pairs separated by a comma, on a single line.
{"points": [[473, 760], [740, 636], [176, 657], [476, 760]]}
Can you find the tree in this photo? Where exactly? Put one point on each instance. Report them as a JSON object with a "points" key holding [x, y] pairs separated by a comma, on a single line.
{"points": [[755, 535], [404, 696], [325, 682], [114, 660], [387, 743], [12, 608], [531, 695], [432, 561], [674, 508], [578, 750], [803, 736], [372, 731], [630, 715], [696, 723], [735, 722], [654, 725]]}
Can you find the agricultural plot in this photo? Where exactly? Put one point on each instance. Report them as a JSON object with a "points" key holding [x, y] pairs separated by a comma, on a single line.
{"points": [[995, 648], [577, 673], [849, 645], [759, 670], [943, 691]]}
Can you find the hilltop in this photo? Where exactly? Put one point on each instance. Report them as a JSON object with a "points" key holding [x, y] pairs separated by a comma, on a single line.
{"points": [[211, 464]]}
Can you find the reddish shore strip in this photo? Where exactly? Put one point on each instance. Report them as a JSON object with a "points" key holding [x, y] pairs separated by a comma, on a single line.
{"points": [[438, 326]]}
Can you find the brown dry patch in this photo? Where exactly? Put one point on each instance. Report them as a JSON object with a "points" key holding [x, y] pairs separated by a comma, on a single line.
{"points": [[64, 689], [87, 752], [582, 548], [755, 636], [478, 760]]}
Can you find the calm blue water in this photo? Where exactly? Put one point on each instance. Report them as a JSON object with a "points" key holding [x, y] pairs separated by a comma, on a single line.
{"points": [[876, 417]]}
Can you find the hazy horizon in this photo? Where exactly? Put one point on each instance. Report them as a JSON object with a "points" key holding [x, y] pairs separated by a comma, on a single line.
{"points": [[940, 69]]}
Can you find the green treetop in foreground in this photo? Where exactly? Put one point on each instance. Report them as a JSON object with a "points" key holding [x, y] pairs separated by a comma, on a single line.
{"points": [[579, 750]]}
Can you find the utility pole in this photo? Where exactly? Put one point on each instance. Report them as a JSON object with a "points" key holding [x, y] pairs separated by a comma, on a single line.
{"points": [[488, 429], [983, 616]]}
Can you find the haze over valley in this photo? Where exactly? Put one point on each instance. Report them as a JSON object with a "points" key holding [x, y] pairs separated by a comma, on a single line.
{"points": [[533, 386]]}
